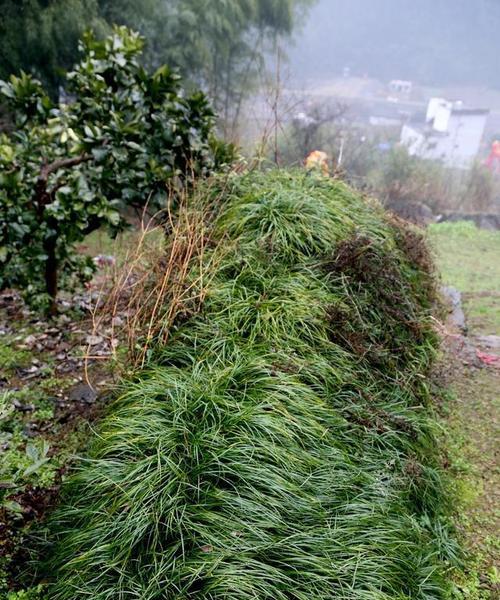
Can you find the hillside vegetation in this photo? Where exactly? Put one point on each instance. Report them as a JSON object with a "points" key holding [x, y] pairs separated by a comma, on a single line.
{"points": [[281, 445]]}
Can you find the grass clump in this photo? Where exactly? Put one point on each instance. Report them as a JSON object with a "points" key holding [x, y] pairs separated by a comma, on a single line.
{"points": [[281, 445]]}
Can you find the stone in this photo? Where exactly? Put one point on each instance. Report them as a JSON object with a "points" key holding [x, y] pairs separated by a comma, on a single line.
{"points": [[83, 393], [457, 316], [489, 341]]}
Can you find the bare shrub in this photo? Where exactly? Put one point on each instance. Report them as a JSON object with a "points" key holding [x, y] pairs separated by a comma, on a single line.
{"points": [[479, 189]]}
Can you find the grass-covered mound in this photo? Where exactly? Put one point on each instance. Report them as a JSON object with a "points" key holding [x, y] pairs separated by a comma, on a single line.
{"points": [[281, 445]]}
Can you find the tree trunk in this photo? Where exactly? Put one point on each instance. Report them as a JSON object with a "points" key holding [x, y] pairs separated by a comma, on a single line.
{"points": [[42, 197], [51, 269]]}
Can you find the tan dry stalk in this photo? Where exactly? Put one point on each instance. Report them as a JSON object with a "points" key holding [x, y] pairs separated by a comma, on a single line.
{"points": [[154, 285]]}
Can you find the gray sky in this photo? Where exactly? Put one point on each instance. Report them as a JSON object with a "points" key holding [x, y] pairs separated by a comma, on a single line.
{"points": [[433, 42]]}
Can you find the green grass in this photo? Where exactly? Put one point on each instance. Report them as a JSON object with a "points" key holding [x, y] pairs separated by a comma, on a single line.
{"points": [[282, 445], [469, 260], [472, 432], [10, 357]]}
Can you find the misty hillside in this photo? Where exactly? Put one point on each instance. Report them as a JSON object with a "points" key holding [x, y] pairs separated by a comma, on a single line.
{"points": [[433, 42]]}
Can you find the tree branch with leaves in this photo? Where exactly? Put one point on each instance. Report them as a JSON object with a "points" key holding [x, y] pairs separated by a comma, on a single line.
{"points": [[65, 170]]}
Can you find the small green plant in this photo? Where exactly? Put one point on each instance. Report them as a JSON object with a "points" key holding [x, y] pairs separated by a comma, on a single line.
{"points": [[10, 358], [23, 463], [35, 593], [121, 141]]}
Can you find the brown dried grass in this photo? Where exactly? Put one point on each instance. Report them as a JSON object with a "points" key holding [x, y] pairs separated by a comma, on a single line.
{"points": [[153, 287]]}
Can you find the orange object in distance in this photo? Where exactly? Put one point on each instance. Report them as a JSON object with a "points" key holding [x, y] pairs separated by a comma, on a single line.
{"points": [[318, 160]]}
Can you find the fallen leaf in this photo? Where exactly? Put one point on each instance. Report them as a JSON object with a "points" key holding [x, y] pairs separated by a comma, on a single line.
{"points": [[93, 340], [30, 340]]}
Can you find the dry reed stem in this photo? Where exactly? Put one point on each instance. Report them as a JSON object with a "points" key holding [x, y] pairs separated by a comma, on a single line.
{"points": [[154, 284]]}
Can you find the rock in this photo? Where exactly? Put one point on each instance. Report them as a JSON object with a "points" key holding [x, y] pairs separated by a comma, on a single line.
{"points": [[457, 316], [30, 430], [489, 341], [30, 341], [83, 393], [23, 407], [94, 340], [103, 260]]}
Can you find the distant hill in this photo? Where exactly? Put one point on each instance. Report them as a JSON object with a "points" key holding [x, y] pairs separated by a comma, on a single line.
{"points": [[433, 42]]}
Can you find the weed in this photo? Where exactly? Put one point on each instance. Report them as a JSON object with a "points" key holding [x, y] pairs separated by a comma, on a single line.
{"points": [[160, 280], [10, 358]]}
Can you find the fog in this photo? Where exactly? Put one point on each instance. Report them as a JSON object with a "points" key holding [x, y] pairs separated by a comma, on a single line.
{"points": [[432, 42], [401, 96]]}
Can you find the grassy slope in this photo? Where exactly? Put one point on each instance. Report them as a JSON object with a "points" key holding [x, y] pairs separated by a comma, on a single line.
{"points": [[469, 259], [282, 445]]}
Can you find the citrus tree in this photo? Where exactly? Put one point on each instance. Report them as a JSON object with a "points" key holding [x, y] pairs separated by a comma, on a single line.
{"points": [[122, 138]]}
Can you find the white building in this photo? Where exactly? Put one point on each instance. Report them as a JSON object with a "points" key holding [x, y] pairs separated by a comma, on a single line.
{"points": [[449, 133]]}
